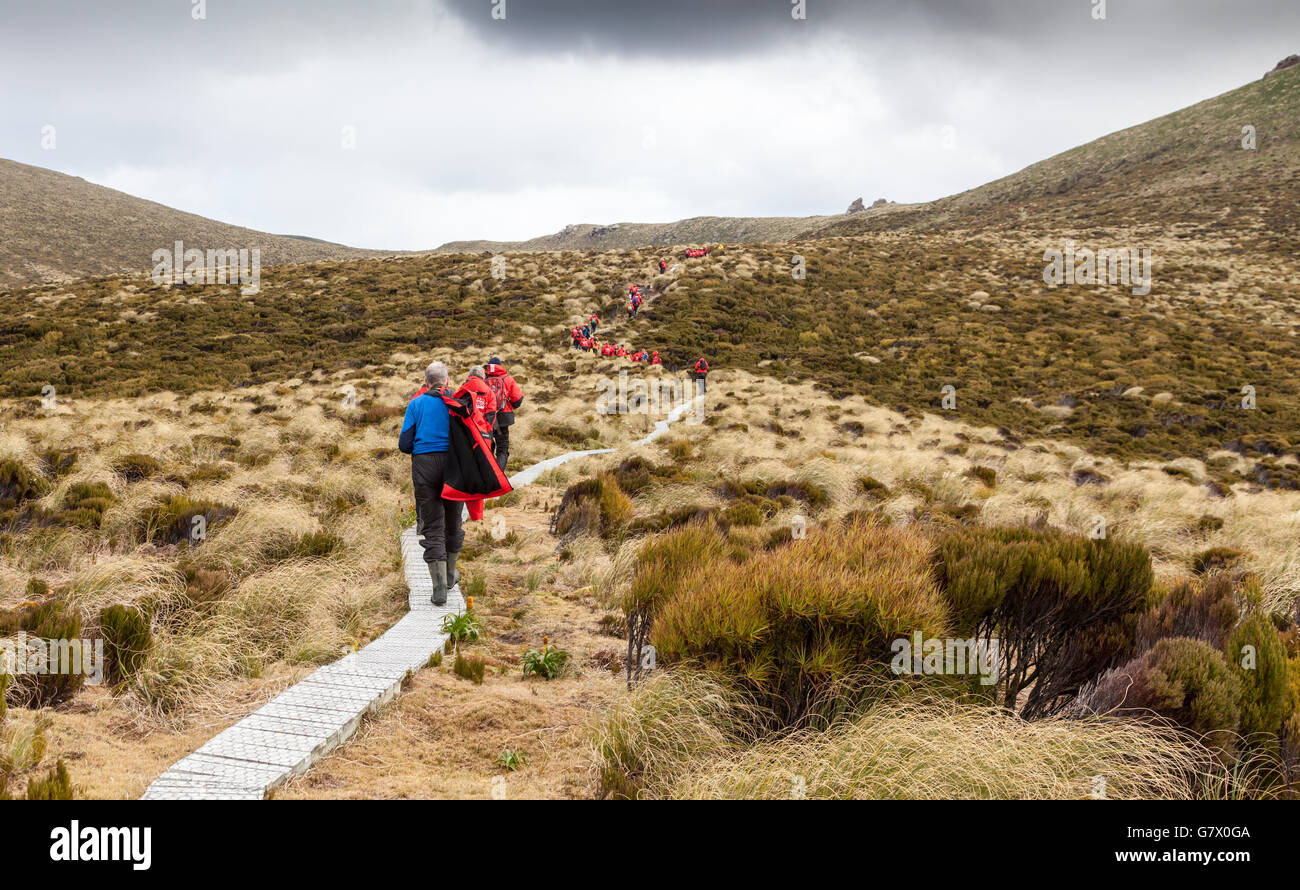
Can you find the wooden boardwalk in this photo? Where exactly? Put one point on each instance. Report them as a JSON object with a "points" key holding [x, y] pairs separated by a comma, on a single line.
{"points": [[284, 737]]}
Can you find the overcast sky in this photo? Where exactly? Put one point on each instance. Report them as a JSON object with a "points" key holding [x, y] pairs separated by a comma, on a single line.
{"points": [[470, 126]]}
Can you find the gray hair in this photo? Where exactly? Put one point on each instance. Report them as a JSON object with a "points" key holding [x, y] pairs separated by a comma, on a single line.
{"points": [[436, 374]]}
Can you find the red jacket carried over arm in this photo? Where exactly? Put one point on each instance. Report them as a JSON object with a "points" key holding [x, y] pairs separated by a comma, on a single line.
{"points": [[472, 473]]}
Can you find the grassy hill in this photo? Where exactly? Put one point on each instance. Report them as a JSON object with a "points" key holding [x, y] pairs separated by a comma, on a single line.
{"points": [[697, 230], [1187, 168], [58, 227]]}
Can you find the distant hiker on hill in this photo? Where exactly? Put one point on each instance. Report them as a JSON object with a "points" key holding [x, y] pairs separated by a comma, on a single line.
{"points": [[508, 399], [663, 266], [594, 321], [450, 464], [654, 359], [702, 374], [586, 330], [631, 309]]}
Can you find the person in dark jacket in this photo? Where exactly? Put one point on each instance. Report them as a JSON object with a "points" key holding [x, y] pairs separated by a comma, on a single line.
{"points": [[508, 399], [426, 436], [663, 266]]}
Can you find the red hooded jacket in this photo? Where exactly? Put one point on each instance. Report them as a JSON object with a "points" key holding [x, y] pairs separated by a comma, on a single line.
{"points": [[485, 402], [506, 392]]}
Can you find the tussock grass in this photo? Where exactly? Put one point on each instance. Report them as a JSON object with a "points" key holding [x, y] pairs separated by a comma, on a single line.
{"points": [[652, 737], [937, 750]]}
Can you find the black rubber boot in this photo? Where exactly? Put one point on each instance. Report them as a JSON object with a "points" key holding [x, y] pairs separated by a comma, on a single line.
{"points": [[453, 576], [438, 573]]}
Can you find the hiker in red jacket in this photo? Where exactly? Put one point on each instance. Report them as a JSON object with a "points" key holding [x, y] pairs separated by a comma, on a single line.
{"points": [[485, 401], [663, 266], [654, 359], [594, 321], [702, 374], [621, 352], [508, 399], [631, 309]]}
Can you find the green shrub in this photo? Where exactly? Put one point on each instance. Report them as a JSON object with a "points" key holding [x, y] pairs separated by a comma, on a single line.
{"points": [[1061, 607], [672, 518], [597, 506], [811, 494], [1182, 679], [564, 434], [873, 487], [742, 513], [1255, 652], [58, 462], [65, 670], [663, 563], [18, 484], [1203, 609], [312, 545], [1216, 559], [636, 474], [172, 521], [680, 450], [136, 467], [469, 667], [792, 624], [55, 786], [84, 504], [128, 640]]}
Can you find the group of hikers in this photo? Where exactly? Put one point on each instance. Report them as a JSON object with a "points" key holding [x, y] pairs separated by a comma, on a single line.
{"points": [[584, 336], [459, 442]]}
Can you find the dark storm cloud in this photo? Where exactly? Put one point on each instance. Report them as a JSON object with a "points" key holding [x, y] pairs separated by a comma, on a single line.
{"points": [[719, 28]]}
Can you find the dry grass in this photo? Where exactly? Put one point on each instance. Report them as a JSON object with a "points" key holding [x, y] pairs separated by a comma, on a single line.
{"points": [[945, 750]]}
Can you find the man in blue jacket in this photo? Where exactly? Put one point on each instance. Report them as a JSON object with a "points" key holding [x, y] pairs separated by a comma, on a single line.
{"points": [[426, 436]]}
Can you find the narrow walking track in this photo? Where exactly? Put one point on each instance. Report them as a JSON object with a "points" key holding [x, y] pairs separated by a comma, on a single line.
{"points": [[284, 737]]}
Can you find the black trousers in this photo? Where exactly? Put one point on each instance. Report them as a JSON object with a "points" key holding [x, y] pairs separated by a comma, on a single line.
{"points": [[436, 520], [501, 445]]}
